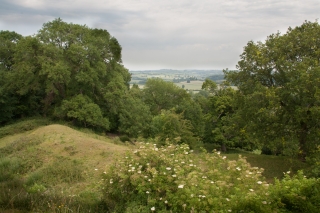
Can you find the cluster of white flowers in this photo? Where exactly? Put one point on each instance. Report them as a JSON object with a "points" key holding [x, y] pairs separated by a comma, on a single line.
{"points": [[178, 167]]}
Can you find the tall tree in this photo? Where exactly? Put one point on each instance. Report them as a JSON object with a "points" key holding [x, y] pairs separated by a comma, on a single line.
{"points": [[278, 82], [65, 60], [8, 100]]}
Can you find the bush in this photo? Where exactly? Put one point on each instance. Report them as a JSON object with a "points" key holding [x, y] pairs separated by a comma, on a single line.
{"points": [[297, 194], [172, 178]]}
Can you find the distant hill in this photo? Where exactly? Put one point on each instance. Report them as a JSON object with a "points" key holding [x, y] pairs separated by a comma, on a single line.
{"points": [[140, 76]]}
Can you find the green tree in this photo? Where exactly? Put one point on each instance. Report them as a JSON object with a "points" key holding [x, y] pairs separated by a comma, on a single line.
{"points": [[159, 95], [278, 88], [82, 109], [169, 125], [222, 126], [8, 100], [134, 117], [64, 60], [191, 110]]}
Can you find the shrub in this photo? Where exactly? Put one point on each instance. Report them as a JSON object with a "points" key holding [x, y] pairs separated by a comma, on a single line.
{"points": [[296, 194], [172, 178]]}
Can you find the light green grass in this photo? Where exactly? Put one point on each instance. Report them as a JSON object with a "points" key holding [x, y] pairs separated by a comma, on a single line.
{"points": [[53, 164]]}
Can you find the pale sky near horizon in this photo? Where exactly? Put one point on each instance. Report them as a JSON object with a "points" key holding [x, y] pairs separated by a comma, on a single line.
{"points": [[168, 34]]}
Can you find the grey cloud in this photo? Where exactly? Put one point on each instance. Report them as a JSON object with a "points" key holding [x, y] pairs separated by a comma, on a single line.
{"points": [[169, 34]]}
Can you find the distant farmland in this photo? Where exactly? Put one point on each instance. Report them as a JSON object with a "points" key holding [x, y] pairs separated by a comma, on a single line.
{"points": [[179, 77]]}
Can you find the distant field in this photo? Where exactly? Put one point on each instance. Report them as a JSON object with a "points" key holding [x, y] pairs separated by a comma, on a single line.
{"points": [[193, 85]]}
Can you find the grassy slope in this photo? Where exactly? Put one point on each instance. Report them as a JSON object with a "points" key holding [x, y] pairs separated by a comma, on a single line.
{"points": [[42, 150]]}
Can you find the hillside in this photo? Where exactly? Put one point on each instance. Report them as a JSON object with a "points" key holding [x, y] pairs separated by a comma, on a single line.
{"points": [[60, 158]]}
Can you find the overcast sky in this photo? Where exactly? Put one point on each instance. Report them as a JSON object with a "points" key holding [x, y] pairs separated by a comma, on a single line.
{"points": [[164, 34]]}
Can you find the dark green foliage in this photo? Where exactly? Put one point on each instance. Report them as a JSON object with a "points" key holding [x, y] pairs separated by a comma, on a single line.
{"points": [[278, 90], [162, 95], [173, 127], [135, 116], [124, 138], [297, 194], [62, 62], [82, 109], [191, 110]]}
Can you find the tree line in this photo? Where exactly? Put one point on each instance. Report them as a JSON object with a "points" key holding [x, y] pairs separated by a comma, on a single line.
{"points": [[72, 72]]}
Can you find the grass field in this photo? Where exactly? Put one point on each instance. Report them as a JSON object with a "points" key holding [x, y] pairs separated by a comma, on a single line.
{"points": [[193, 85]]}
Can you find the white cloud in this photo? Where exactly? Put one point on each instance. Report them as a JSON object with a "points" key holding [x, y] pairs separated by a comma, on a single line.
{"points": [[172, 34]]}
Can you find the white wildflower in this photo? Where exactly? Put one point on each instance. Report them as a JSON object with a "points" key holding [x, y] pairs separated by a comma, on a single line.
{"points": [[180, 186]]}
